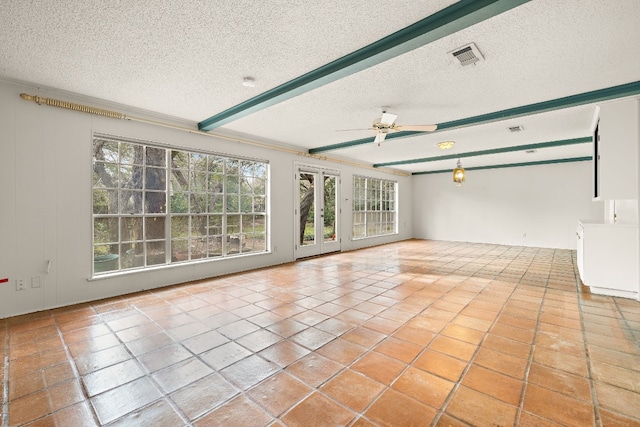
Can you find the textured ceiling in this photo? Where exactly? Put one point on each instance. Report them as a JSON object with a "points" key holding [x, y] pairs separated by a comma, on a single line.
{"points": [[187, 59]]}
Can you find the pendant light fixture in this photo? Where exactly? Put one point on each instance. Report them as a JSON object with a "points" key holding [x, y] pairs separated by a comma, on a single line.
{"points": [[458, 174]]}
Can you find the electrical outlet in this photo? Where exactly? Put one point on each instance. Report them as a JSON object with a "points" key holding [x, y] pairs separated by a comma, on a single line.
{"points": [[36, 281], [20, 285]]}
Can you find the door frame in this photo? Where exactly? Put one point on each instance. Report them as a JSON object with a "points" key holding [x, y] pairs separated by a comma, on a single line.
{"points": [[321, 246]]}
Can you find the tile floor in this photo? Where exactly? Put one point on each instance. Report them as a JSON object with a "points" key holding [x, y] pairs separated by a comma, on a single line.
{"points": [[415, 333]]}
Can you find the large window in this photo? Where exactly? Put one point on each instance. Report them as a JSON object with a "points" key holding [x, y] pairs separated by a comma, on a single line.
{"points": [[154, 206], [374, 207]]}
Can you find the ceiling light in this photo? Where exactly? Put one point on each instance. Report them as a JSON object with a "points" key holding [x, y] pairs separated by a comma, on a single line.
{"points": [[458, 174], [445, 145], [249, 82]]}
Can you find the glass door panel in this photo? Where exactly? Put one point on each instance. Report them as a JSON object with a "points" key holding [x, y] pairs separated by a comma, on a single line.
{"points": [[330, 208], [318, 212], [307, 208]]}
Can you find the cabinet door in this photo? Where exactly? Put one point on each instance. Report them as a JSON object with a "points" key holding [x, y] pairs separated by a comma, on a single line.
{"points": [[618, 149], [610, 257]]}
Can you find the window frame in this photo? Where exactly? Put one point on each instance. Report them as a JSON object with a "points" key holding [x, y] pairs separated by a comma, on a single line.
{"points": [[374, 207], [253, 189]]}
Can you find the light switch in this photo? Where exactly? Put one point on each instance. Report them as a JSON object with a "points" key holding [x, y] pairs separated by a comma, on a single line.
{"points": [[36, 281]]}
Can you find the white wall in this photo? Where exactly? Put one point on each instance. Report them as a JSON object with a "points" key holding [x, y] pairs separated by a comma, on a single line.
{"points": [[534, 206], [45, 202]]}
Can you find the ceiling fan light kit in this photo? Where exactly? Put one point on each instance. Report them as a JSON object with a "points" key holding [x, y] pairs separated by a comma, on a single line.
{"points": [[387, 123]]}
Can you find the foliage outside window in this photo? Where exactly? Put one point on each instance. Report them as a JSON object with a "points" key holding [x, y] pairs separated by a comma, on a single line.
{"points": [[155, 206], [307, 207], [374, 207]]}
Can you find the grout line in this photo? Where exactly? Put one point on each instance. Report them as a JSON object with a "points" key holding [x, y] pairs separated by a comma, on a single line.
{"points": [[241, 392], [442, 409], [346, 367], [623, 318], [370, 349], [592, 386], [525, 381], [454, 262], [133, 357], [313, 389], [361, 414], [149, 375], [458, 384], [76, 376], [76, 373]]}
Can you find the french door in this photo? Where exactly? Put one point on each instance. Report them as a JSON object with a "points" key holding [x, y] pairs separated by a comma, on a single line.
{"points": [[317, 216]]}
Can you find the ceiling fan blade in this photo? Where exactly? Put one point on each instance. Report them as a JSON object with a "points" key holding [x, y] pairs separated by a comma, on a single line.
{"points": [[352, 130], [380, 136], [388, 118], [416, 128]]}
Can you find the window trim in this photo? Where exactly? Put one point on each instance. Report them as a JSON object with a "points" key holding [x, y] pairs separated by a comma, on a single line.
{"points": [[167, 214], [366, 203]]}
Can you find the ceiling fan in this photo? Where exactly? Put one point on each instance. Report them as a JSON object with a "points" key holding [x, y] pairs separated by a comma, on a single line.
{"points": [[387, 124]]}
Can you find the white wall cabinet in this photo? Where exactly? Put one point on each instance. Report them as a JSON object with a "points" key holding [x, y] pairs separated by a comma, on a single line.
{"points": [[607, 253], [617, 148], [607, 258]]}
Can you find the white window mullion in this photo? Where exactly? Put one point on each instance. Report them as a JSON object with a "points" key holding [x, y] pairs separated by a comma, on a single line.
{"points": [[224, 209], [144, 211], [167, 210]]}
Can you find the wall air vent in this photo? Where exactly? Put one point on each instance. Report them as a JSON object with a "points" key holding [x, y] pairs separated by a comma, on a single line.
{"points": [[518, 128], [468, 54]]}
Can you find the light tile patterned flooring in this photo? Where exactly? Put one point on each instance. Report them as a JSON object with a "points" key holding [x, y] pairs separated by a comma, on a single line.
{"points": [[412, 333]]}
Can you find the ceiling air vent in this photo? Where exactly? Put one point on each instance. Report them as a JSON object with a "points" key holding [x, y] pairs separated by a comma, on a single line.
{"points": [[531, 151], [468, 54], [518, 128]]}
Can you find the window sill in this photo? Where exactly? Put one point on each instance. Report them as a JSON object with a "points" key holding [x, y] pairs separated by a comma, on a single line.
{"points": [[171, 266], [353, 239]]}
